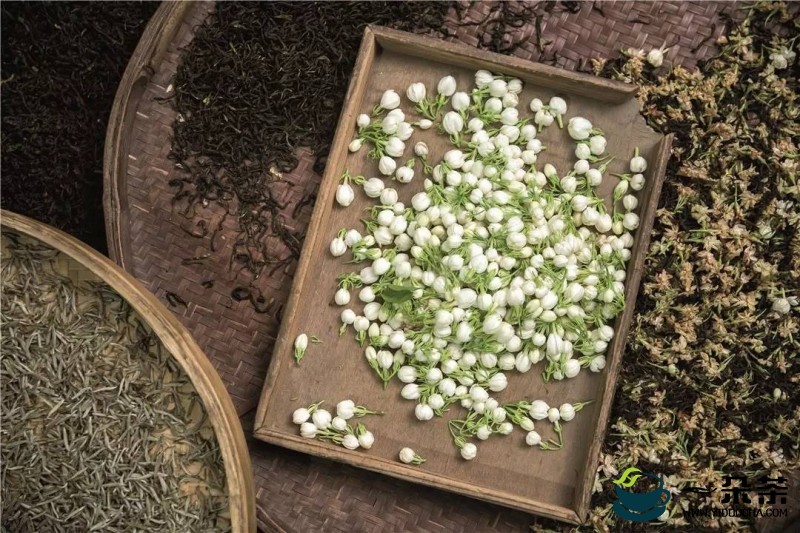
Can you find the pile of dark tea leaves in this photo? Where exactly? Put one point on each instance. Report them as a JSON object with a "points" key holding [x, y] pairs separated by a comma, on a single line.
{"points": [[710, 380], [101, 429], [258, 81], [61, 64]]}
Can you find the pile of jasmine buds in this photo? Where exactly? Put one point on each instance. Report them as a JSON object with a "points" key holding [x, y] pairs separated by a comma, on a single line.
{"points": [[318, 423], [500, 264]]}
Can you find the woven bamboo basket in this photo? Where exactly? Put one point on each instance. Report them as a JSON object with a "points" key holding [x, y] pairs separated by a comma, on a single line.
{"points": [[295, 492], [86, 264]]}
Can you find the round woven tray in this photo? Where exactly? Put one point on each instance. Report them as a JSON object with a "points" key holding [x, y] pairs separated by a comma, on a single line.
{"points": [[296, 492], [81, 263]]}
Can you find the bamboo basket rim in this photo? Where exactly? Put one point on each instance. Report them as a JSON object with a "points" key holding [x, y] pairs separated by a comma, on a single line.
{"points": [[180, 344]]}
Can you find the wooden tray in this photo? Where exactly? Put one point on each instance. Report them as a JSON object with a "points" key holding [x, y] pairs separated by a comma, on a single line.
{"points": [[553, 484], [179, 343]]}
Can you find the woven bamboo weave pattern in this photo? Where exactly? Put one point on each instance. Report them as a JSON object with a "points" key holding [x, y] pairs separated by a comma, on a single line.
{"points": [[297, 492]]}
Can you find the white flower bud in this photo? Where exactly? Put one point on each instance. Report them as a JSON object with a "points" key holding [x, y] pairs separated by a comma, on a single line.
{"points": [[355, 145], [446, 86], [416, 92], [452, 123], [579, 128], [410, 392], [308, 430], [558, 106], [533, 438], [469, 451], [425, 124], [387, 165], [538, 410], [300, 415], [423, 411], [597, 145], [630, 221], [638, 164], [363, 120], [597, 364], [350, 441], [630, 202], [498, 88], [407, 455], [366, 439], [655, 57], [321, 418], [344, 194], [338, 247], [339, 424], [390, 99], [553, 415], [460, 101], [394, 147]]}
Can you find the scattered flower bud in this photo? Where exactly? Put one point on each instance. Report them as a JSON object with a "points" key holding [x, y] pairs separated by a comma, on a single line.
{"points": [[390, 100]]}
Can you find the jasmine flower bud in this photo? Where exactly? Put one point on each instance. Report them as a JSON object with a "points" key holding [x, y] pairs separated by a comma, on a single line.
{"points": [[483, 432], [388, 196], [558, 106], [416, 92], [597, 363], [446, 86], [603, 223], [423, 411], [361, 324], [365, 438], [386, 166], [338, 424], [344, 194], [509, 116], [498, 88], [338, 247], [656, 57], [425, 124], [638, 164], [553, 415], [630, 202], [436, 401], [469, 451], [630, 221], [394, 147], [483, 78], [321, 418], [390, 100], [572, 368], [350, 441], [594, 177], [301, 415], [597, 144], [410, 392], [460, 101], [404, 131], [348, 316], [538, 410], [543, 118], [453, 123], [342, 297], [308, 430], [579, 128], [533, 438], [581, 167], [637, 182], [355, 145], [363, 120], [582, 151], [781, 306]]}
